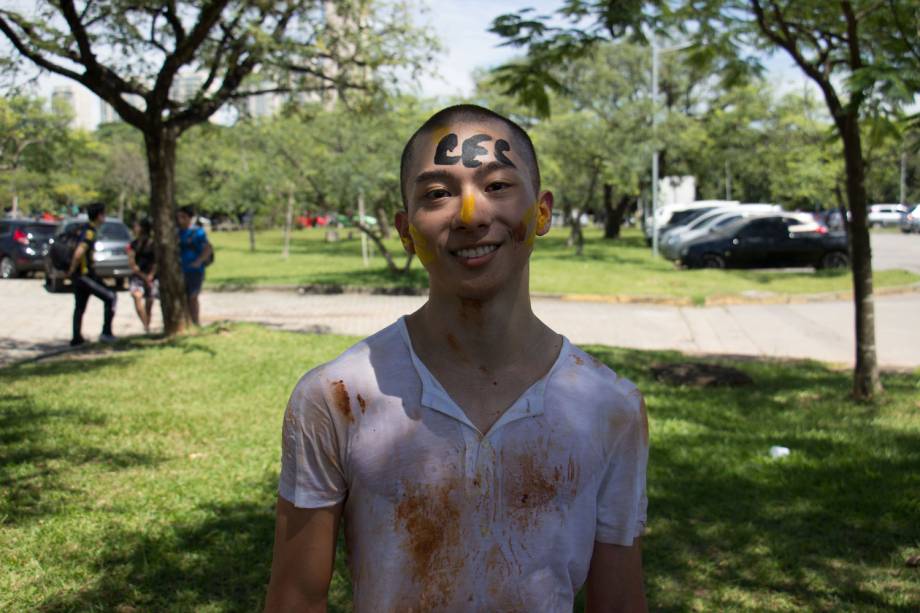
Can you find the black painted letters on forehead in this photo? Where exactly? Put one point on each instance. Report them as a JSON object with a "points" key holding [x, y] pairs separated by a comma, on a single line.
{"points": [[470, 150]]}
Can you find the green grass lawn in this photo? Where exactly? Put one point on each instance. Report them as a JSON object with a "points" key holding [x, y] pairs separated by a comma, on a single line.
{"points": [[143, 479], [623, 267]]}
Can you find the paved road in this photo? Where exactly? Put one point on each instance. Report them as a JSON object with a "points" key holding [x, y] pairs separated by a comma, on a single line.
{"points": [[895, 250], [33, 321]]}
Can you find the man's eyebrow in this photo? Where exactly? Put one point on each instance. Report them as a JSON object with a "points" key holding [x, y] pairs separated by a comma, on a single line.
{"points": [[490, 167], [433, 175]]}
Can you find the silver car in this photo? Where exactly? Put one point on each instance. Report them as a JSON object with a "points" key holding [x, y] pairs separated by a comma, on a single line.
{"points": [[110, 260], [911, 221]]}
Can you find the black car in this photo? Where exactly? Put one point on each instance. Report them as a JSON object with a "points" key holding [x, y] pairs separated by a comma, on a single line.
{"points": [[767, 242], [23, 245]]}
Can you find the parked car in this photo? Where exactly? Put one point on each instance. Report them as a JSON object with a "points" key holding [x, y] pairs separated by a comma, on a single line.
{"points": [[775, 241], [671, 241], [23, 246], [911, 221], [110, 257], [886, 214]]}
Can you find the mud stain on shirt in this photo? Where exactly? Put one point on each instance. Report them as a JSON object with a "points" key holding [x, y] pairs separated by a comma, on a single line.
{"points": [[362, 403], [430, 520], [341, 401]]}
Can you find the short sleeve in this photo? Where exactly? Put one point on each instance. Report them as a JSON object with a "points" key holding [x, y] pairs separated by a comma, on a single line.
{"points": [[88, 236], [201, 238], [311, 463], [622, 501]]}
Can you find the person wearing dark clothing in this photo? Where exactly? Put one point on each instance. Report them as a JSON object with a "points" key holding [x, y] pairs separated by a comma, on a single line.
{"points": [[85, 281], [142, 258]]}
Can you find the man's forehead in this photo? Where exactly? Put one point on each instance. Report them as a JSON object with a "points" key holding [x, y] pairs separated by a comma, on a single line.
{"points": [[467, 144]]}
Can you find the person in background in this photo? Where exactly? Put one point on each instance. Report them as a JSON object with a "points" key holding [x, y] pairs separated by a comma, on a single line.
{"points": [[194, 251], [85, 281], [142, 258]]}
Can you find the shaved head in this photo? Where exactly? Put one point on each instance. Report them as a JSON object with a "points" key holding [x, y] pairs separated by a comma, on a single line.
{"points": [[439, 124]]}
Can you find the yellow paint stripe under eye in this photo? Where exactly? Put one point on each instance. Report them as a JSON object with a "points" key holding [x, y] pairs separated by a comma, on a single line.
{"points": [[424, 253], [469, 207]]}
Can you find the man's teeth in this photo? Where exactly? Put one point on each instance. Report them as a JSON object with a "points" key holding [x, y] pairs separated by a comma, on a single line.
{"points": [[476, 252]]}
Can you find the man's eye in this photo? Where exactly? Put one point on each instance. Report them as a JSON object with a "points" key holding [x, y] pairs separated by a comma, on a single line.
{"points": [[496, 186], [436, 193]]}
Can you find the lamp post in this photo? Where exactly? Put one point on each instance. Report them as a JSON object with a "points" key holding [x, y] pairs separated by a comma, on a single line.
{"points": [[656, 54]]}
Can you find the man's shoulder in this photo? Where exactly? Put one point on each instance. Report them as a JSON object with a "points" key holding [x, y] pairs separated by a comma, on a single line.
{"points": [[362, 364], [597, 385]]}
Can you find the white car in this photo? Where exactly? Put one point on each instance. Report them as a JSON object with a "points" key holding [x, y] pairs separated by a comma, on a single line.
{"points": [[886, 214], [911, 221]]}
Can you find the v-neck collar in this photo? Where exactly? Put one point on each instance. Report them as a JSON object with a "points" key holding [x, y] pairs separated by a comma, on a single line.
{"points": [[435, 397]]}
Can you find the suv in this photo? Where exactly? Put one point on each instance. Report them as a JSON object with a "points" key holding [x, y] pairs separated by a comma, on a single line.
{"points": [[23, 245], [886, 214], [110, 261]]}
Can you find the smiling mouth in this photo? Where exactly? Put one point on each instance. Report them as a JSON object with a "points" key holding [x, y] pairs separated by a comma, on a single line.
{"points": [[475, 252]]}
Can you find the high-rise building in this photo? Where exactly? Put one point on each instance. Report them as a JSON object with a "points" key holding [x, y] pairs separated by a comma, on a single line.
{"points": [[78, 101]]}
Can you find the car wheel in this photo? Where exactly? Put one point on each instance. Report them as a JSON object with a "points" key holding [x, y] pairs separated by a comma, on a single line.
{"points": [[835, 260], [711, 260], [8, 268]]}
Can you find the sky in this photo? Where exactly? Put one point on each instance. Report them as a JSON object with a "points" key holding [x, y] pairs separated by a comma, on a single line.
{"points": [[462, 27]]}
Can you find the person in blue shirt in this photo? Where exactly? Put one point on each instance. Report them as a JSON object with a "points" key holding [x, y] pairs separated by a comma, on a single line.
{"points": [[194, 253]]}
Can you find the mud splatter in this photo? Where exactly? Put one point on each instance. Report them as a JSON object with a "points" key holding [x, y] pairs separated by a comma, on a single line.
{"points": [[471, 310], [341, 401], [362, 403], [430, 520], [532, 488], [578, 360]]}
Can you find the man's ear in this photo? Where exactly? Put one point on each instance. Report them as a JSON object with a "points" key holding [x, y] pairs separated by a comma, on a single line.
{"points": [[401, 221], [544, 212]]}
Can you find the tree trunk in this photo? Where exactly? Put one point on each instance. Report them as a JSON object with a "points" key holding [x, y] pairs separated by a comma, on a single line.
{"points": [[382, 222], [252, 232], [611, 226], [288, 220], [160, 144], [121, 204], [866, 381]]}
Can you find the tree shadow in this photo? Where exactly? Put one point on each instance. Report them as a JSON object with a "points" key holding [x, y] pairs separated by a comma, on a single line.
{"points": [[822, 528], [32, 461], [220, 560]]}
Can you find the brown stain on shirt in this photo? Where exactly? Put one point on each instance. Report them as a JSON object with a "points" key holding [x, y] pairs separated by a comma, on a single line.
{"points": [[341, 401], [578, 360], [362, 403], [430, 519], [534, 486]]}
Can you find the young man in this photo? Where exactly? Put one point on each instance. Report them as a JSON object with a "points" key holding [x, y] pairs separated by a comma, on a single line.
{"points": [[85, 281], [143, 262], [194, 251], [480, 461]]}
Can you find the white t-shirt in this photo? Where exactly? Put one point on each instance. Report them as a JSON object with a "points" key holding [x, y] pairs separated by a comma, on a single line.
{"points": [[439, 517]]}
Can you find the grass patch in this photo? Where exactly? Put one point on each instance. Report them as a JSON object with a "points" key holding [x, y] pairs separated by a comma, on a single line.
{"points": [[144, 479], [624, 267]]}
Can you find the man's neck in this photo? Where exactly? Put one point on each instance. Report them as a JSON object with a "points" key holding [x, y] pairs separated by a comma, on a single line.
{"points": [[488, 332]]}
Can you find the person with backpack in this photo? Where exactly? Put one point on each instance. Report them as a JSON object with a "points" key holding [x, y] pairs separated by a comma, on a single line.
{"points": [[142, 258], [195, 252], [84, 279]]}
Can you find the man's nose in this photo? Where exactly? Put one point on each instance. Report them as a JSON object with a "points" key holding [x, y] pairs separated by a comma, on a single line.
{"points": [[474, 211]]}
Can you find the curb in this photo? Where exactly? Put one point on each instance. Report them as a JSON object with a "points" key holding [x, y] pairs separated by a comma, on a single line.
{"points": [[763, 298]]}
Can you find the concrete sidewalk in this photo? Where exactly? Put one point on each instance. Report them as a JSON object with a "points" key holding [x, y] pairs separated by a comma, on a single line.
{"points": [[35, 322]]}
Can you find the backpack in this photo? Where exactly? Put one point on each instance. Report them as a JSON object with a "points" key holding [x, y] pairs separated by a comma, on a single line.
{"points": [[64, 246]]}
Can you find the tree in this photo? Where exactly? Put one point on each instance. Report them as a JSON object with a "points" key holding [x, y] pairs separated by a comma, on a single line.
{"points": [[861, 54], [30, 137], [133, 56]]}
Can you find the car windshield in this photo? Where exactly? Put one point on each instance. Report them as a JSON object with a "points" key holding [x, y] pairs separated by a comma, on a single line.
{"points": [[702, 220], [681, 218], [114, 231], [733, 227]]}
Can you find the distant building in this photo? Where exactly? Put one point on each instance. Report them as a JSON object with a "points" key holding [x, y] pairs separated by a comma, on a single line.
{"points": [[78, 102], [676, 190]]}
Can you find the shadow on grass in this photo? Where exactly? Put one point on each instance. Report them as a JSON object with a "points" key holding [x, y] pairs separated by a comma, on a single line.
{"points": [[821, 529], [219, 562], [33, 459]]}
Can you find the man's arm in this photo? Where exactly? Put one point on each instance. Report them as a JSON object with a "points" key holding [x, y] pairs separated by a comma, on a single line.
{"points": [[303, 558], [75, 260], [205, 254], [615, 579]]}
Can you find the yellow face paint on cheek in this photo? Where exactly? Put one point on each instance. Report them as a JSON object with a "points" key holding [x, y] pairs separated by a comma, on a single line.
{"points": [[533, 222], [422, 250], [468, 208]]}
